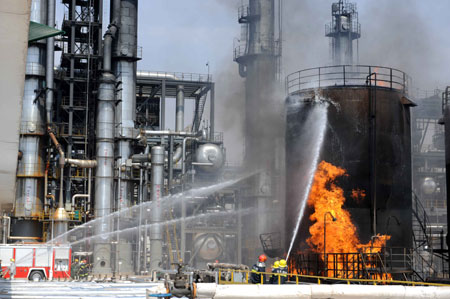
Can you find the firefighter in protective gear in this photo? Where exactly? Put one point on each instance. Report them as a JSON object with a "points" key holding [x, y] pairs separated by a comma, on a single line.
{"points": [[75, 268], [83, 272], [283, 270], [275, 269], [256, 277], [12, 269]]}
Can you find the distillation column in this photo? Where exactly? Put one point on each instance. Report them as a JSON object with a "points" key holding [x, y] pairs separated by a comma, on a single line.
{"points": [[343, 29], [104, 184], [124, 64], [30, 171], [258, 61]]}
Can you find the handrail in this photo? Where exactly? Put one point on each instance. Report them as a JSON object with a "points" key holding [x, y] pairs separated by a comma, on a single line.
{"points": [[347, 75], [320, 279]]}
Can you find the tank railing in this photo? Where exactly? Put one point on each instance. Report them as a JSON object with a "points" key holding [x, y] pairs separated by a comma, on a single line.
{"points": [[264, 47], [233, 276], [347, 75], [244, 12]]}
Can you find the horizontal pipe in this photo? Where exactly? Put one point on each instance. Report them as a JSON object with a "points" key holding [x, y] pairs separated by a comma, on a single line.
{"points": [[166, 133], [82, 163], [202, 163], [336, 291], [155, 75]]}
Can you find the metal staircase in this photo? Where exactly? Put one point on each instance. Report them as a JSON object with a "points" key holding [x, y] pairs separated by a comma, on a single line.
{"points": [[428, 252], [199, 108]]}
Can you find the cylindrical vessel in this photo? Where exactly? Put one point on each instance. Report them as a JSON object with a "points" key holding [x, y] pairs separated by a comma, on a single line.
{"points": [[353, 142], [30, 172], [156, 236], [179, 120]]}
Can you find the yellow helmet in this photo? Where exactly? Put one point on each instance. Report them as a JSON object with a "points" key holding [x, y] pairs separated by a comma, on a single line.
{"points": [[76, 260], [283, 263], [12, 260], [276, 264]]}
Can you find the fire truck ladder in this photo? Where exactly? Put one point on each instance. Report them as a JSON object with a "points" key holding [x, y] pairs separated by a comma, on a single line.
{"points": [[171, 237]]}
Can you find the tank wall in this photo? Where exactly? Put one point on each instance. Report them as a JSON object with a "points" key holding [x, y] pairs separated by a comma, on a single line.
{"points": [[347, 145]]}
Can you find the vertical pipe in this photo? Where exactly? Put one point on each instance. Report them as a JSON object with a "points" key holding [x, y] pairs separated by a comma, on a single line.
{"points": [[50, 61], [170, 163], [156, 237], [179, 120], [104, 185], [141, 190], [373, 152], [162, 121], [211, 112], [447, 166]]}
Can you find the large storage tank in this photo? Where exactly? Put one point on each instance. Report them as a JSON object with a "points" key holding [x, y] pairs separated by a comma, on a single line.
{"points": [[349, 144]]}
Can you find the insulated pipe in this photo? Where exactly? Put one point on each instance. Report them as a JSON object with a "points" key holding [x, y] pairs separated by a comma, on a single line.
{"points": [[124, 68], [335, 291], [82, 163], [166, 133], [156, 236], [50, 61], [155, 75], [179, 121], [104, 184]]}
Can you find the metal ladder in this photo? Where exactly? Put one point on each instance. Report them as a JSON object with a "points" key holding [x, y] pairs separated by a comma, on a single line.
{"points": [[171, 237]]}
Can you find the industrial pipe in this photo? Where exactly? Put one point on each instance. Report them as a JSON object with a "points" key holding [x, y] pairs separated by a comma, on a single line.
{"points": [[156, 236], [104, 185], [6, 228], [50, 61], [183, 160], [335, 291], [82, 163], [155, 75], [62, 160], [144, 133], [179, 120], [88, 195]]}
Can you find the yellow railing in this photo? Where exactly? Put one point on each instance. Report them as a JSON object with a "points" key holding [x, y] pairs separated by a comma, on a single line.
{"points": [[244, 277]]}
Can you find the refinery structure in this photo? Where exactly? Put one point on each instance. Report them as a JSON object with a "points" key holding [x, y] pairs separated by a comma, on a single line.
{"points": [[346, 180]]}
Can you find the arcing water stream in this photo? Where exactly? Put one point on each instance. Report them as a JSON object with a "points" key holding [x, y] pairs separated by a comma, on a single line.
{"points": [[315, 124], [166, 202]]}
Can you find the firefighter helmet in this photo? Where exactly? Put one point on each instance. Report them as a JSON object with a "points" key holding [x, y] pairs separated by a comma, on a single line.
{"points": [[283, 263], [276, 264], [262, 258]]}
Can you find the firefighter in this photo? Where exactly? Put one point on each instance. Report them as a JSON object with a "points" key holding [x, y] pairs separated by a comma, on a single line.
{"points": [[12, 269], [75, 268], [258, 268], [83, 271], [274, 277], [283, 270]]}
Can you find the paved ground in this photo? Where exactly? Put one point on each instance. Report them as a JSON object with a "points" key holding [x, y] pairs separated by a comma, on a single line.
{"points": [[65, 290]]}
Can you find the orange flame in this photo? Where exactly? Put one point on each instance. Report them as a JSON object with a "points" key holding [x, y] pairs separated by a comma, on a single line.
{"points": [[341, 235]]}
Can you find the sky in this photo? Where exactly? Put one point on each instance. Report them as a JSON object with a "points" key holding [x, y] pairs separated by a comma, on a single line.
{"points": [[183, 35]]}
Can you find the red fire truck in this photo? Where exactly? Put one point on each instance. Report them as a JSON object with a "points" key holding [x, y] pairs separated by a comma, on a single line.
{"points": [[36, 261]]}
